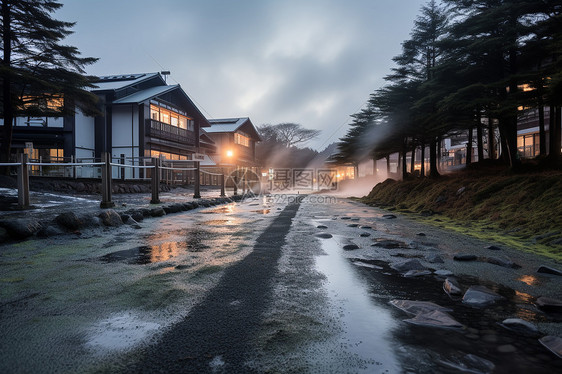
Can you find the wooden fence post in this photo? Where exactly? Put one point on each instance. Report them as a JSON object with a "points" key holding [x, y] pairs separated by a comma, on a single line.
{"points": [[23, 182], [155, 182], [223, 194], [197, 186], [106, 176]]}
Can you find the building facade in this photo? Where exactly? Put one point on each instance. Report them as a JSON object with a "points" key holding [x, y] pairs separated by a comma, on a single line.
{"points": [[141, 116]]}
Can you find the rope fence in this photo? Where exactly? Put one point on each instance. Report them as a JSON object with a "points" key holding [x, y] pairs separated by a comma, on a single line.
{"points": [[106, 176]]}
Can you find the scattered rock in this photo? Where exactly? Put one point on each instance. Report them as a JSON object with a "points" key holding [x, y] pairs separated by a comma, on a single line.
{"points": [[465, 257], [416, 273], [350, 247], [548, 270], [389, 244], [365, 227], [157, 212], [502, 261], [461, 190], [480, 296], [506, 348], [520, 326], [434, 259], [553, 344], [323, 235], [452, 287], [49, 231], [493, 248], [110, 218], [420, 234], [365, 234], [415, 307], [321, 227], [346, 217], [352, 225], [435, 318], [407, 265], [471, 364], [549, 304], [443, 273], [21, 228], [366, 265], [69, 221], [137, 216], [389, 216]]}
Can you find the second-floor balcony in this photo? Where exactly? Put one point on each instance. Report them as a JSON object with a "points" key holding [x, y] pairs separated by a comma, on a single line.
{"points": [[161, 130]]}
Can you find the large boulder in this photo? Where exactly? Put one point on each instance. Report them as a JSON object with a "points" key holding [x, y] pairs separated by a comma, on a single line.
{"points": [[111, 218], [21, 228], [480, 296], [69, 221]]}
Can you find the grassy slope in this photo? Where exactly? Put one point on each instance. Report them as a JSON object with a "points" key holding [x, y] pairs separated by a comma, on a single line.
{"points": [[523, 211]]}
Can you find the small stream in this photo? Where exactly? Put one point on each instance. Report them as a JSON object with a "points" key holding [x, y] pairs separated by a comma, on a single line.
{"points": [[373, 330], [367, 326]]}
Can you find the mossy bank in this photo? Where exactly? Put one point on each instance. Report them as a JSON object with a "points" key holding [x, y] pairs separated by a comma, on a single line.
{"points": [[523, 211]]}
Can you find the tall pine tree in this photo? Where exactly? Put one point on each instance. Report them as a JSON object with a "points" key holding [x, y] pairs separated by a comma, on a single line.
{"points": [[36, 68]]}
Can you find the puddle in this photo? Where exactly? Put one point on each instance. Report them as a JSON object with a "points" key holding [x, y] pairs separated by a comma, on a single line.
{"points": [[261, 211], [120, 332], [145, 254], [366, 324], [222, 210]]}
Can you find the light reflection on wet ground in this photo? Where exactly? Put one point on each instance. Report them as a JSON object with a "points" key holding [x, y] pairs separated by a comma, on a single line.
{"points": [[367, 324]]}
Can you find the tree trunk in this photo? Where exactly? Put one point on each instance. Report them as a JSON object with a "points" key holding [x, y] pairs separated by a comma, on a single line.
{"points": [[413, 161], [491, 139], [479, 136], [542, 130], [439, 154], [555, 133], [8, 113], [508, 133], [404, 166], [422, 160], [433, 149], [469, 148], [388, 166]]}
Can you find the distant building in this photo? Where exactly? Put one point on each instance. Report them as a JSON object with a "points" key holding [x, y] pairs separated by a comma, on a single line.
{"points": [[235, 140], [142, 117]]}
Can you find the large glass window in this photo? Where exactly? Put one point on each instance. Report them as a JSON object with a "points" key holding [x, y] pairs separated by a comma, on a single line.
{"points": [[170, 117]]}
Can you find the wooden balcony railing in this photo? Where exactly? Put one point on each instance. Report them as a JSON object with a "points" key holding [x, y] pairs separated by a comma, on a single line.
{"points": [[157, 129]]}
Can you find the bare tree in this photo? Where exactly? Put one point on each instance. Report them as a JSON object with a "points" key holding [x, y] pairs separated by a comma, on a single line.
{"points": [[291, 134]]}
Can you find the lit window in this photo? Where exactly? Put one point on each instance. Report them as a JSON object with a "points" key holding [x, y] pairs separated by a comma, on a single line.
{"points": [[241, 139]]}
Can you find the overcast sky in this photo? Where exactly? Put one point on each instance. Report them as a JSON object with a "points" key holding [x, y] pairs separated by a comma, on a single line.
{"points": [[312, 62]]}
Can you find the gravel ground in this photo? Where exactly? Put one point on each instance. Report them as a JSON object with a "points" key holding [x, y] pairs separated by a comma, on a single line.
{"points": [[249, 288]]}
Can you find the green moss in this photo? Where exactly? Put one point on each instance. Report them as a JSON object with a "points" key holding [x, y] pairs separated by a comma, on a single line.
{"points": [[522, 211]]}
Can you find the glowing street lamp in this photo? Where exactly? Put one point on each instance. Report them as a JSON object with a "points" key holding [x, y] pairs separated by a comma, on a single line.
{"points": [[229, 153]]}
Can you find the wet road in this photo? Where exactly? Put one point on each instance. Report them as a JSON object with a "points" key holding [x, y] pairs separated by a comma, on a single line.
{"points": [[248, 287]]}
